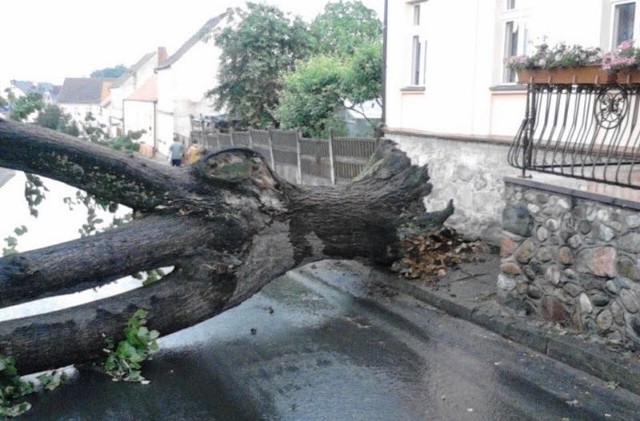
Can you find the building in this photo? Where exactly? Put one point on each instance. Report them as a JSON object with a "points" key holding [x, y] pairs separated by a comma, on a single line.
{"points": [[570, 242], [81, 96], [135, 76], [183, 82], [451, 102], [139, 115]]}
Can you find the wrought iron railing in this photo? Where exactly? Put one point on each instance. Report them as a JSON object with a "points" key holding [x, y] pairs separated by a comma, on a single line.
{"points": [[583, 131]]}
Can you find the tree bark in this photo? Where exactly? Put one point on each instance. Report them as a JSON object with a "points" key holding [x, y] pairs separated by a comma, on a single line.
{"points": [[227, 224]]}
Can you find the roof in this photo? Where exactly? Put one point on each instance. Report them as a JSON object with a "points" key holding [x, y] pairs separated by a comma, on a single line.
{"points": [[198, 36], [84, 90], [27, 86], [148, 92], [132, 70]]}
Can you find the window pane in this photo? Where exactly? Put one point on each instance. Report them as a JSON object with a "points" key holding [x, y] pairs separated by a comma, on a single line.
{"points": [[623, 23], [511, 4], [424, 67], [510, 49], [416, 14], [415, 64]]}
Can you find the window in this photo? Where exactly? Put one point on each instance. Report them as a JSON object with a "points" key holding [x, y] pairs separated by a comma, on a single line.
{"points": [[623, 22], [416, 57], [415, 60], [511, 35], [514, 36]]}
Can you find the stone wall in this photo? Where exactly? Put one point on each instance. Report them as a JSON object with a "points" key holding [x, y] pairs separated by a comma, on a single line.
{"points": [[572, 258], [469, 172]]}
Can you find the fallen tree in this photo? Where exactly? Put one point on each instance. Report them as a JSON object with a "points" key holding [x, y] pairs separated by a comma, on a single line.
{"points": [[227, 224]]}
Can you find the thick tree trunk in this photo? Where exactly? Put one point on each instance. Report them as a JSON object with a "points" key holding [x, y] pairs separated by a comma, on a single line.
{"points": [[227, 224]]}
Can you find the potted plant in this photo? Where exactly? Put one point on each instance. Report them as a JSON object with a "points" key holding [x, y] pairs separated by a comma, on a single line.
{"points": [[624, 62], [562, 64]]}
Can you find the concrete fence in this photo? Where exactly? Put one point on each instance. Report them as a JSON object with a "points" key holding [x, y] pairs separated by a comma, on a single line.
{"points": [[297, 159]]}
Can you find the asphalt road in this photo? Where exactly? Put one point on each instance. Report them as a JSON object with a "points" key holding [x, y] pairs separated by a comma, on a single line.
{"points": [[343, 350]]}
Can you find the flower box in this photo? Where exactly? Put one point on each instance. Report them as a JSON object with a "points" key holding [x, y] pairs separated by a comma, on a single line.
{"points": [[593, 74], [626, 77]]}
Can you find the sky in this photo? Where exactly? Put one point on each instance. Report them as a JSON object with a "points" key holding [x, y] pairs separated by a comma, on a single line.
{"points": [[48, 40]]}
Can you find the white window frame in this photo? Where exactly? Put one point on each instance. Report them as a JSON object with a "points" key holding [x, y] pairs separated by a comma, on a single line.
{"points": [[417, 45], [517, 17], [613, 43]]}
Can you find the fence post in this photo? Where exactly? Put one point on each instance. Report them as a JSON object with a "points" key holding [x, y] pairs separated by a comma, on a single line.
{"points": [[298, 154], [332, 163], [273, 161], [250, 139], [231, 137], [217, 133]]}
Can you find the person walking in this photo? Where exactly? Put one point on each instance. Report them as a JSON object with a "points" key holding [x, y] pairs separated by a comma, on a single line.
{"points": [[176, 152]]}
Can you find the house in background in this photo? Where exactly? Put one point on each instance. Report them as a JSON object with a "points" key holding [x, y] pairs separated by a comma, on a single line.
{"points": [[183, 81], [48, 91], [139, 114], [135, 76], [451, 103], [80, 96], [361, 119]]}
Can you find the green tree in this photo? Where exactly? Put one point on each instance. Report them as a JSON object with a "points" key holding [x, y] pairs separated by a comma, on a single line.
{"points": [[111, 72], [343, 26], [53, 117], [256, 54], [311, 96], [319, 87], [363, 76], [24, 106]]}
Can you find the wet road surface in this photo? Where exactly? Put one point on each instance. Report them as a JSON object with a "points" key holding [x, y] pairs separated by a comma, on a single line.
{"points": [[342, 350]]}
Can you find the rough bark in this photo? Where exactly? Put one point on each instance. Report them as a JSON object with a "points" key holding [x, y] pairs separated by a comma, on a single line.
{"points": [[227, 224]]}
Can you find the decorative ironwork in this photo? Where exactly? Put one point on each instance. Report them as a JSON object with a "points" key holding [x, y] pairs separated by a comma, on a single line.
{"points": [[582, 131], [611, 107]]}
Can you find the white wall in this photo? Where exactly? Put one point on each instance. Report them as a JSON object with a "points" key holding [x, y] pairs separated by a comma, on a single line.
{"points": [[182, 89], [464, 61], [140, 115]]}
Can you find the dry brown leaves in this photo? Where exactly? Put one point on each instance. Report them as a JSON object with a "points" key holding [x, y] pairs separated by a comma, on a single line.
{"points": [[429, 255]]}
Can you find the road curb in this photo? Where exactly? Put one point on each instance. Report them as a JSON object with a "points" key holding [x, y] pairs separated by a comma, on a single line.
{"points": [[588, 357], [592, 358]]}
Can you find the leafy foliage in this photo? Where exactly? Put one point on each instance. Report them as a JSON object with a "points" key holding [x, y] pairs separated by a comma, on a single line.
{"points": [[123, 362], [24, 106], [54, 118], [311, 95], [558, 56], [12, 242], [363, 77], [256, 53], [344, 26], [346, 70], [111, 72], [13, 387]]}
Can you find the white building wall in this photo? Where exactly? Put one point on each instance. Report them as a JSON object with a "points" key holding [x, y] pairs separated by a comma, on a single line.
{"points": [[140, 115], [464, 60], [460, 118], [182, 89]]}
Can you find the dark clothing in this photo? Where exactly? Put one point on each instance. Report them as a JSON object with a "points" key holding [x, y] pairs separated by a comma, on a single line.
{"points": [[176, 162]]}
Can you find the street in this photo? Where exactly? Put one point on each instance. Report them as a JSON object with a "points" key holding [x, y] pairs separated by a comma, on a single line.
{"points": [[347, 349]]}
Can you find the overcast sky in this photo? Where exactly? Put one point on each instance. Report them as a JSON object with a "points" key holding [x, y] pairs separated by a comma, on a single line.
{"points": [[48, 40]]}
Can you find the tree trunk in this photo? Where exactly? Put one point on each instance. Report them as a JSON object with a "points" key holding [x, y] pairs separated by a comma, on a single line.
{"points": [[227, 224]]}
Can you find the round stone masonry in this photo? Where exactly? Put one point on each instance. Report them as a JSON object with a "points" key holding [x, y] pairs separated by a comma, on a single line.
{"points": [[576, 258]]}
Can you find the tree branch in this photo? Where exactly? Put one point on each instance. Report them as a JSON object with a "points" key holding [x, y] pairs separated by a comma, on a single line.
{"points": [[127, 179]]}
